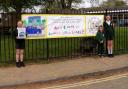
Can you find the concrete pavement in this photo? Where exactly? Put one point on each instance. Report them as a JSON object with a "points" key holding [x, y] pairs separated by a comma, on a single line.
{"points": [[59, 70]]}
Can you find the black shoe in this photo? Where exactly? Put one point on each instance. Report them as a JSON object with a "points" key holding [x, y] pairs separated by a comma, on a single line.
{"points": [[99, 54], [102, 55], [22, 64], [109, 55], [112, 55], [18, 64]]}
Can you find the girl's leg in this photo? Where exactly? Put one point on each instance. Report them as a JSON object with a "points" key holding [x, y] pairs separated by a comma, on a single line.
{"points": [[111, 47], [17, 55], [21, 54], [108, 47], [21, 57], [102, 49], [98, 48], [18, 58]]}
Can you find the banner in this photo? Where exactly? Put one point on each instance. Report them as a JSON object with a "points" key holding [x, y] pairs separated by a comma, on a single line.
{"points": [[35, 26], [92, 24], [40, 26], [65, 26]]}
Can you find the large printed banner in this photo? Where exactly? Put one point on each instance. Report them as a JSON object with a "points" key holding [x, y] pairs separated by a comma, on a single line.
{"points": [[57, 26], [65, 26]]}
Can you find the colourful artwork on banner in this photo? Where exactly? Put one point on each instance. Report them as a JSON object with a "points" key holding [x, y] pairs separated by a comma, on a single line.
{"points": [[35, 25], [92, 24], [40, 26]]}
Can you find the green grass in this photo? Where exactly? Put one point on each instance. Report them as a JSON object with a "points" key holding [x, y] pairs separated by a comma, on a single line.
{"points": [[44, 48], [121, 40], [38, 49]]}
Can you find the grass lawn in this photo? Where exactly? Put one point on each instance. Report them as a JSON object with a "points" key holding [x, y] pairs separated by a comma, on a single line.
{"points": [[44, 48], [38, 49], [121, 40]]}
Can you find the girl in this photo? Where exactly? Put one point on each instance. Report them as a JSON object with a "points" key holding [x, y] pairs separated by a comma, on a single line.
{"points": [[109, 34], [100, 39], [20, 46]]}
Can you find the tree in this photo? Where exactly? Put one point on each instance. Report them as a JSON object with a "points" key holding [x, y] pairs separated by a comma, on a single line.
{"points": [[113, 3], [61, 4], [17, 5]]}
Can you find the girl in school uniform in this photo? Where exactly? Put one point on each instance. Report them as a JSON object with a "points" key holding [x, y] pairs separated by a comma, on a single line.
{"points": [[109, 34], [100, 40], [20, 46]]}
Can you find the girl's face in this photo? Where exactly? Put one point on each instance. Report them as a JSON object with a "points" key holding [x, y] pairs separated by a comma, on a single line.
{"points": [[108, 18], [20, 24], [101, 29]]}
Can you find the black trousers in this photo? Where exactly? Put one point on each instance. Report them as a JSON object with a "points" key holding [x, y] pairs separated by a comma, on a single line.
{"points": [[101, 48]]}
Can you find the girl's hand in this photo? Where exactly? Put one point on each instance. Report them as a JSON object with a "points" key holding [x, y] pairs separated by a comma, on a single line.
{"points": [[101, 41], [16, 37], [113, 24]]}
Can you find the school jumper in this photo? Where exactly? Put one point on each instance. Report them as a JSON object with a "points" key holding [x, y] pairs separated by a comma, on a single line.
{"points": [[100, 41], [109, 31]]}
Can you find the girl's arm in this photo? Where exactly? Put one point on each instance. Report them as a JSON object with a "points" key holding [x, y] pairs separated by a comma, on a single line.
{"points": [[16, 33]]}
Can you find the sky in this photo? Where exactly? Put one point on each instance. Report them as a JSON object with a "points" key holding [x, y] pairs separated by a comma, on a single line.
{"points": [[86, 4]]}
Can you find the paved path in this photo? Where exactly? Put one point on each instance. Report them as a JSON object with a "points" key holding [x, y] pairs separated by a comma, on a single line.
{"points": [[58, 70]]}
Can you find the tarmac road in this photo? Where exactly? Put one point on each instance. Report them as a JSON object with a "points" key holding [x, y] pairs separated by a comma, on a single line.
{"points": [[113, 82]]}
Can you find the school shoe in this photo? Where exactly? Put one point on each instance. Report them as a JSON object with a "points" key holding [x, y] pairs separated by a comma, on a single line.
{"points": [[18, 64], [102, 55], [99, 54], [111, 55], [22, 64]]}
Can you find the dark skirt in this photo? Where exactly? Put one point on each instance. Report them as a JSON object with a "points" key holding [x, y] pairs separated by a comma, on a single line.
{"points": [[20, 44], [110, 37]]}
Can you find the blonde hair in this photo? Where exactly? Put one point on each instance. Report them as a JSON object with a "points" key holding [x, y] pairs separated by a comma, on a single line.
{"points": [[20, 22]]}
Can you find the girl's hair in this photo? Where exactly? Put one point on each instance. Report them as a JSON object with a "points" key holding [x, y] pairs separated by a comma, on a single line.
{"points": [[107, 16], [100, 27], [19, 21]]}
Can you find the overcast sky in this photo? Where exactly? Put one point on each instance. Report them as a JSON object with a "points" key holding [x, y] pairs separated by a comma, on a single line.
{"points": [[87, 4]]}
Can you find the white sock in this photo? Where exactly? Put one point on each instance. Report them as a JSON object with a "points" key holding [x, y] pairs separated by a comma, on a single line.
{"points": [[109, 51], [17, 60], [21, 60]]}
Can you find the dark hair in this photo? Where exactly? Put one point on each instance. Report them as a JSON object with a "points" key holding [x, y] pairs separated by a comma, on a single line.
{"points": [[99, 28]]}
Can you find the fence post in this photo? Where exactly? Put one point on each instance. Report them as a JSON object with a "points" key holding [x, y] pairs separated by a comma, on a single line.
{"points": [[47, 42], [106, 49], [0, 45]]}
